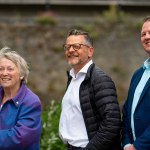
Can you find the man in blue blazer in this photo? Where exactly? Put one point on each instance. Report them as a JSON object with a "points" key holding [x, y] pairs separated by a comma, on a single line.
{"points": [[136, 110]]}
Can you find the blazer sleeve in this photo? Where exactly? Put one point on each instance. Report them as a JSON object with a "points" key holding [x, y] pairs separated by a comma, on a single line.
{"points": [[127, 137], [27, 129], [126, 128]]}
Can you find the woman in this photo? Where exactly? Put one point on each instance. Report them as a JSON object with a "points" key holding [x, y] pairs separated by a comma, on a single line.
{"points": [[20, 108]]}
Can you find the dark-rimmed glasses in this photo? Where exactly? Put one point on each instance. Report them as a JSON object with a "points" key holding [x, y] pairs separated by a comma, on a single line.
{"points": [[75, 46]]}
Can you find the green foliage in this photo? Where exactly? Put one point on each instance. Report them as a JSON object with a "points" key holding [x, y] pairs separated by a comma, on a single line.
{"points": [[50, 137], [113, 14], [91, 28], [136, 25], [46, 18]]}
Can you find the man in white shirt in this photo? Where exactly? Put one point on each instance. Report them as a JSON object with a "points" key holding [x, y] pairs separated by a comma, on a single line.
{"points": [[90, 117], [136, 110]]}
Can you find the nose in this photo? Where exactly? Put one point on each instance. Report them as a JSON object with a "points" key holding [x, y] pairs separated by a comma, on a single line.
{"points": [[147, 35], [4, 72], [71, 49]]}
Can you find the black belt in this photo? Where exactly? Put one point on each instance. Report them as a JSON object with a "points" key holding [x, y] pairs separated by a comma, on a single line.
{"points": [[73, 147]]}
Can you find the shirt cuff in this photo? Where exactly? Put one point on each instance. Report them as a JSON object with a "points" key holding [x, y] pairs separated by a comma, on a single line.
{"points": [[127, 145]]}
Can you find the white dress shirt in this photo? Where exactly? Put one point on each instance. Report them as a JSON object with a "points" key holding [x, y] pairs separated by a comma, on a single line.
{"points": [[72, 128]]}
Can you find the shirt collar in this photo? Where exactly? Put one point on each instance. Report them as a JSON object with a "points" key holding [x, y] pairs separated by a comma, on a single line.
{"points": [[19, 96], [146, 64], [83, 70]]}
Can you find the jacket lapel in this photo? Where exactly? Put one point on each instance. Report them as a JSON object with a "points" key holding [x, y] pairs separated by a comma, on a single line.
{"points": [[144, 90], [135, 82]]}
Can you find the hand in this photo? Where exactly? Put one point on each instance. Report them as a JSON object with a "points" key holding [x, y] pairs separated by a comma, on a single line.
{"points": [[131, 147]]}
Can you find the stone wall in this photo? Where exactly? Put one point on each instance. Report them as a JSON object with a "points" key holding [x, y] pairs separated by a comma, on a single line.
{"points": [[118, 52]]}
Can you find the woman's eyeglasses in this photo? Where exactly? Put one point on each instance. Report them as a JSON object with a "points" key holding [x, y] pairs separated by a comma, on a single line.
{"points": [[75, 46]]}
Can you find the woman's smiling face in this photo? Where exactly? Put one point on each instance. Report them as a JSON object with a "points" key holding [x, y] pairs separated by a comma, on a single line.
{"points": [[9, 74]]}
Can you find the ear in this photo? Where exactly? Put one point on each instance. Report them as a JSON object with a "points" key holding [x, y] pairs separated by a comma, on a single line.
{"points": [[90, 52]]}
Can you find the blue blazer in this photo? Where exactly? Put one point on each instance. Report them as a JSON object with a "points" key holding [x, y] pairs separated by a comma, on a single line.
{"points": [[141, 115]]}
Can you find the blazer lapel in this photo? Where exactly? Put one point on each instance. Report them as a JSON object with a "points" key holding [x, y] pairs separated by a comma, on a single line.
{"points": [[135, 82], [144, 90]]}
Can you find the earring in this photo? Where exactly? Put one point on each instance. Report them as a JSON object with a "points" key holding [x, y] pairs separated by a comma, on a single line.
{"points": [[21, 77]]}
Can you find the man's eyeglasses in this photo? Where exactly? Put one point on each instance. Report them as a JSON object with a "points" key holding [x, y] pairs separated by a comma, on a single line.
{"points": [[76, 46]]}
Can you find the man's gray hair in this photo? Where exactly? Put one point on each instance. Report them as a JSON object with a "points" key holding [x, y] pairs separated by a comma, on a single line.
{"points": [[88, 39]]}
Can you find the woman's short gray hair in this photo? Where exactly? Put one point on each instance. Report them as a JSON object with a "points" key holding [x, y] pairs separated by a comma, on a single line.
{"points": [[19, 61]]}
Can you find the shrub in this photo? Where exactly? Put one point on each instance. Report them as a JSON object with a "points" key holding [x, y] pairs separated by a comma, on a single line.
{"points": [[91, 28], [50, 137], [113, 14], [46, 18]]}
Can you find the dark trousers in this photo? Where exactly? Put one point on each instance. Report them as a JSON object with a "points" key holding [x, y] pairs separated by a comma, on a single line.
{"points": [[77, 148], [70, 147]]}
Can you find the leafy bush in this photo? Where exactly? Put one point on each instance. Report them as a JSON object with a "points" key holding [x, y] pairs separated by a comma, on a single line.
{"points": [[46, 18], [113, 14], [50, 137], [91, 28]]}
